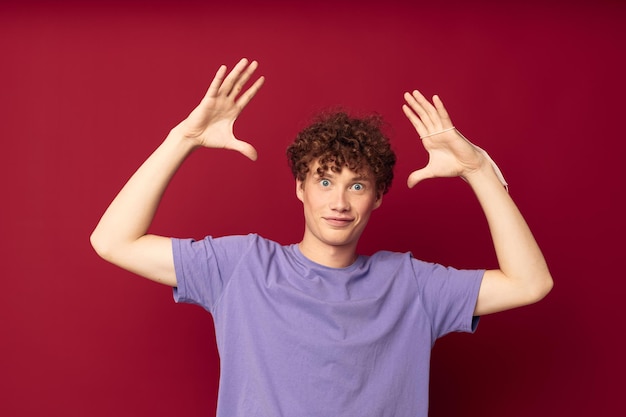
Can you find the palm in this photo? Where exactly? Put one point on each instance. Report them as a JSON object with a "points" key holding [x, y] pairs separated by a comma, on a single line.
{"points": [[450, 155]]}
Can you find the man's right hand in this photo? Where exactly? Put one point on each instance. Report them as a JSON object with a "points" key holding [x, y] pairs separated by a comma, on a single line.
{"points": [[211, 123]]}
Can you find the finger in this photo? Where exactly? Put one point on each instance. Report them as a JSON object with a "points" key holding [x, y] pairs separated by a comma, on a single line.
{"points": [[232, 77], [418, 176], [428, 108], [419, 109], [217, 82], [245, 98], [443, 113], [243, 78], [415, 121], [244, 148]]}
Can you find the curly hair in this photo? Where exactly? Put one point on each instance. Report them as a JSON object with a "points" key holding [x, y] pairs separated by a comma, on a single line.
{"points": [[337, 140]]}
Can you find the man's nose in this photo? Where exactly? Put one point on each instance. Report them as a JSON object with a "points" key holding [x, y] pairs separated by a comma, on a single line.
{"points": [[340, 201]]}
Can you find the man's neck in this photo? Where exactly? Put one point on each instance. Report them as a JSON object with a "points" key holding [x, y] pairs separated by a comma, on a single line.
{"points": [[330, 256]]}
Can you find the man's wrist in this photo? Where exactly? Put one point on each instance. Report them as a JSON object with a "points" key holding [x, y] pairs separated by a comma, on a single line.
{"points": [[487, 167], [178, 138], [482, 175]]}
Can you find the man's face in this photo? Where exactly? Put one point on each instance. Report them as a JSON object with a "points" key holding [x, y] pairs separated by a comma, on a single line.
{"points": [[337, 207]]}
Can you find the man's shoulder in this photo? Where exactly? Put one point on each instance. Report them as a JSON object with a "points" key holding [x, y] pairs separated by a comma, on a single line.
{"points": [[400, 259], [386, 258], [390, 256], [250, 245]]}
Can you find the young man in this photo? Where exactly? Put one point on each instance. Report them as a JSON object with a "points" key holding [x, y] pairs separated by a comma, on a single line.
{"points": [[314, 329]]}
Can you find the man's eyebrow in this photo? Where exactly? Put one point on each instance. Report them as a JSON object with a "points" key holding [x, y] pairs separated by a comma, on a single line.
{"points": [[330, 175], [324, 174]]}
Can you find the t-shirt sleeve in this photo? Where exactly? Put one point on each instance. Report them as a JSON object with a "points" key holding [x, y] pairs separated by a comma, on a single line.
{"points": [[449, 296], [203, 268]]}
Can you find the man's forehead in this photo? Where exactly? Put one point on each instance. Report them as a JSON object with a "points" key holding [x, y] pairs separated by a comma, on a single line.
{"points": [[364, 173]]}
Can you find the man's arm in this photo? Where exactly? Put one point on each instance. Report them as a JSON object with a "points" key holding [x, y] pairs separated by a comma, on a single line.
{"points": [[523, 276], [121, 235]]}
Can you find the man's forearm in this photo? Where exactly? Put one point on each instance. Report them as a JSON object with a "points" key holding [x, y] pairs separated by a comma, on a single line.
{"points": [[520, 259]]}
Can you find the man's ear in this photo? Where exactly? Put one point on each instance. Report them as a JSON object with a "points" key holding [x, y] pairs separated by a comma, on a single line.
{"points": [[300, 190], [379, 201]]}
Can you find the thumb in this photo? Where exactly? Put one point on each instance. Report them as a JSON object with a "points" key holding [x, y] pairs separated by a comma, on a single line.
{"points": [[244, 148], [417, 176]]}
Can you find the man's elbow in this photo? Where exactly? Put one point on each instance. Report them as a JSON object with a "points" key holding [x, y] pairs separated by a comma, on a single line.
{"points": [[542, 287], [101, 245]]}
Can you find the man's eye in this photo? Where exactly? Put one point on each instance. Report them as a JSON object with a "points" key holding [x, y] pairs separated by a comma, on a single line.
{"points": [[325, 183], [357, 187]]}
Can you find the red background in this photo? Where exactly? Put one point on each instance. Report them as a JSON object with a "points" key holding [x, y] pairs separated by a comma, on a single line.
{"points": [[89, 91]]}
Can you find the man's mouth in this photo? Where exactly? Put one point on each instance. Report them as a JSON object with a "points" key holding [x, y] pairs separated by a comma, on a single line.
{"points": [[338, 221]]}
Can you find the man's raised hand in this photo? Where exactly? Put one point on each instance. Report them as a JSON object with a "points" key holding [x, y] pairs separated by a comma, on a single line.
{"points": [[450, 154], [211, 123]]}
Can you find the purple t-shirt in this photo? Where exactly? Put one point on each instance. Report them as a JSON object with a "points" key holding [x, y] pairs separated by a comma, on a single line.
{"points": [[300, 339]]}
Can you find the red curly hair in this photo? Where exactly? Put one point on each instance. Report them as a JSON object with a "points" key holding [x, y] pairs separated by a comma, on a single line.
{"points": [[337, 140]]}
